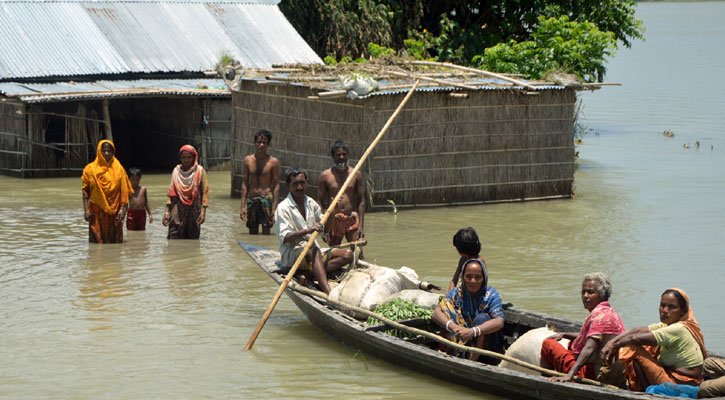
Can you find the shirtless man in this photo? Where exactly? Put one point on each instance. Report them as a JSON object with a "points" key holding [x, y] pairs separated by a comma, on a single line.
{"points": [[260, 186], [350, 211]]}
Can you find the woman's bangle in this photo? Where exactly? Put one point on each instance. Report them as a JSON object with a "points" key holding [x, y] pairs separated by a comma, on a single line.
{"points": [[448, 323]]}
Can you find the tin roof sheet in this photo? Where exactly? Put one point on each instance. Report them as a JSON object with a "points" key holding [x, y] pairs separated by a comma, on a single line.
{"points": [[72, 38], [43, 92]]}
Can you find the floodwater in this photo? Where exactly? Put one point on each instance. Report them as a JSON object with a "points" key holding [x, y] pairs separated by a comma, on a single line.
{"points": [[153, 318]]}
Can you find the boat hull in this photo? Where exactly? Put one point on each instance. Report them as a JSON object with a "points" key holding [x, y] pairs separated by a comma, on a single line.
{"points": [[486, 378]]}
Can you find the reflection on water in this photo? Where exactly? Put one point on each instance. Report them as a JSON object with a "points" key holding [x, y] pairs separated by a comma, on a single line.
{"points": [[102, 280], [152, 318], [185, 268]]}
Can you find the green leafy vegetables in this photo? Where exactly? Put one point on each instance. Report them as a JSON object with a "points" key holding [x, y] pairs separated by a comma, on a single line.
{"points": [[400, 309]]}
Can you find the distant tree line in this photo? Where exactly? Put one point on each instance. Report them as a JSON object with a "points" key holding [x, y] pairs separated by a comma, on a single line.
{"points": [[516, 36]]}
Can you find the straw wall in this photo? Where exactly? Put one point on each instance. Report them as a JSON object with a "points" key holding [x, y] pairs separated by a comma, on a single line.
{"points": [[495, 145], [62, 137], [13, 146]]}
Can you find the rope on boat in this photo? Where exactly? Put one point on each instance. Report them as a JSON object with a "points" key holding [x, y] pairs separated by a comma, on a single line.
{"points": [[298, 288]]}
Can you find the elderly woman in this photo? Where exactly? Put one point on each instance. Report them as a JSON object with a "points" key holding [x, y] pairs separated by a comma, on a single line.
{"points": [[472, 312], [105, 195], [672, 350], [188, 197], [603, 324]]}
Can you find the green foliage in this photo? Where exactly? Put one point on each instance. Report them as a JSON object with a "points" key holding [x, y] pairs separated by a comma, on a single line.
{"points": [[400, 309], [329, 60], [376, 50], [449, 30], [558, 44], [225, 58]]}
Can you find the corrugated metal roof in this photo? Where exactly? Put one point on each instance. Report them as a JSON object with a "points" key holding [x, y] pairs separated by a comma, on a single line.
{"points": [[43, 92], [60, 39]]}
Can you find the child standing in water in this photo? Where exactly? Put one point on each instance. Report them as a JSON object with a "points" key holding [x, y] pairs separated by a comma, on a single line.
{"points": [[138, 203]]}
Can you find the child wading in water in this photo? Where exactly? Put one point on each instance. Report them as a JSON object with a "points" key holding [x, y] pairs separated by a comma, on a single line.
{"points": [[138, 203]]}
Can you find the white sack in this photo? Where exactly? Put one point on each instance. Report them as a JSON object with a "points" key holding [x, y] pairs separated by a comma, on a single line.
{"points": [[528, 348]]}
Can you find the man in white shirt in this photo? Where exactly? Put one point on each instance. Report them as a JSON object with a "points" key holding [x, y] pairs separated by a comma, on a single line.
{"points": [[297, 216]]}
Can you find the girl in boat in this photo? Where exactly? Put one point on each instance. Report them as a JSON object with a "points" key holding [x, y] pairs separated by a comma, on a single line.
{"points": [[105, 195], [468, 246], [603, 324], [672, 350], [472, 312], [188, 197]]}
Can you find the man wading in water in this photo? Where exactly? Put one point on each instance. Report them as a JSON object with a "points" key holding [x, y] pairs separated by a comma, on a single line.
{"points": [[260, 186], [350, 211]]}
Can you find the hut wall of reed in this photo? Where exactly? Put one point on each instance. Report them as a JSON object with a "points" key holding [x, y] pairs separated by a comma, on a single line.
{"points": [[60, 138], [13, 143], [495, 145]]}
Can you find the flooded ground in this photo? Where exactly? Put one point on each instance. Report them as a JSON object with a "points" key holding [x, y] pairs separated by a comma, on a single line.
{"points": [[157, 319]]}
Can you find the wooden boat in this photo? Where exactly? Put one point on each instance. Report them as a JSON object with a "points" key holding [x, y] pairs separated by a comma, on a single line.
{"points": [[424, 356]]}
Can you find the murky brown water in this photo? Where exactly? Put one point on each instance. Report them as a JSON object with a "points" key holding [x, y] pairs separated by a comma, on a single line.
{"points": [[157, 319]]}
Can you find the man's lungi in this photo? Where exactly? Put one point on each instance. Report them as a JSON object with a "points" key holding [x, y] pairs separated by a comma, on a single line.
{"points": [[259, 211]]}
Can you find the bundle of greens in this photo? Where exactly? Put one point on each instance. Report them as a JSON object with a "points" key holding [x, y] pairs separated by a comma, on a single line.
{"points": [[400, 309]]}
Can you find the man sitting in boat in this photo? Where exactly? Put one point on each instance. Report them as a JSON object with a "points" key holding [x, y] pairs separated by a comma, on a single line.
{"points": [[603, 324], [472, 313], [297, 216], [468, 247]]}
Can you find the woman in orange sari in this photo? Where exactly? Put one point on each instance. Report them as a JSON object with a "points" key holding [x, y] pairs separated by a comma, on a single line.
{"points": [[105, 195], [670, 351], [188, 197]]}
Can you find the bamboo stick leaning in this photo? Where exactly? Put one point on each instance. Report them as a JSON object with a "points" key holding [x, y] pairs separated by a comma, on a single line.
{"points": [[329, 211]]}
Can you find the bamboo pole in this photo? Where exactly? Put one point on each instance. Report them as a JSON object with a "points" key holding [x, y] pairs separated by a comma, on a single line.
{"points": [[107, 120], [475, 71], [443, 82], [441, 339], [329, 212]]}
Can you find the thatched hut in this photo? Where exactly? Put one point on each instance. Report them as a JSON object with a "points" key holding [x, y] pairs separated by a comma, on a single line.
{"points": [[465, 136], [57, 135], [140, 72]]}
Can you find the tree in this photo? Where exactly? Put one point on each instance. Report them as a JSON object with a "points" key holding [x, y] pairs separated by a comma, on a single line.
{"points": [[447, 30], [558, 44]]}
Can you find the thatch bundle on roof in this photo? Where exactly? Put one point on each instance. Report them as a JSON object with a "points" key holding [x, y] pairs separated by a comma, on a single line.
{"points": [[464, 137]]}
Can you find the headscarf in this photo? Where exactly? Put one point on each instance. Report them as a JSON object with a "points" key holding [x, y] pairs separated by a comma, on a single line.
{"points": [[602, 320], [106, 182], [471, 304], [688, 319], [185, 184]]}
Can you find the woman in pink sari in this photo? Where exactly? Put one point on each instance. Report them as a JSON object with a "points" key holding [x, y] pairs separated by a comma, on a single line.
{"points": [[188, 197], [603, 324]]}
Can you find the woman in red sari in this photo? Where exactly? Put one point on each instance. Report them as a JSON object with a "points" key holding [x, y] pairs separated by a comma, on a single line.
{"points": [[188, 197], [582, 357]]}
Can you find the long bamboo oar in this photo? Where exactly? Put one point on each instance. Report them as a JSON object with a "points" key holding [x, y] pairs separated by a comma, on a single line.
{"points": [[329, 212], [443, 340]]}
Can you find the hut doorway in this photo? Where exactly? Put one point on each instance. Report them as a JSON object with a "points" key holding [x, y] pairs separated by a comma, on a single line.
{"points": [[148, 132]]}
